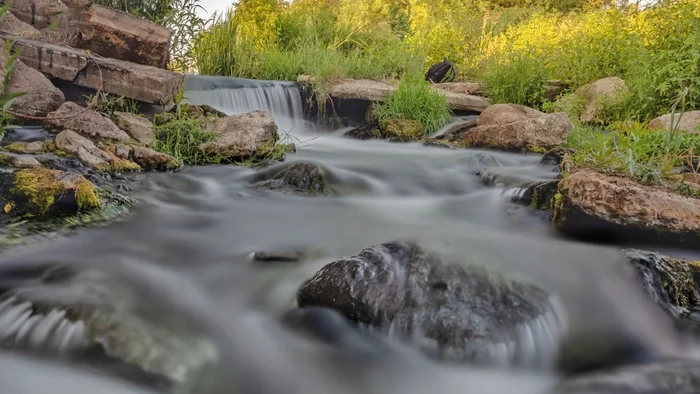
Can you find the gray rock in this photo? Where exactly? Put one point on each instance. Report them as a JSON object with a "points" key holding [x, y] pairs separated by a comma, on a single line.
{"points": [[461, 312], [18, 161], [84, 149], [151, 160], [138, 127], [241, 136], [87, 123], [307, 179]]}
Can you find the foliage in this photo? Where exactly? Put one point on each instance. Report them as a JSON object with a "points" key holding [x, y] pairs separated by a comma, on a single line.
{"points": [[7, 99], [415, 100], [182, 136], [107, 104], [518, 79], [178, 16], [631, 148]]}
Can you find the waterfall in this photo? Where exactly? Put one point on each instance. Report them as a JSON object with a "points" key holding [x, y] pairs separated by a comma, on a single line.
{"points": [[239, 95]]}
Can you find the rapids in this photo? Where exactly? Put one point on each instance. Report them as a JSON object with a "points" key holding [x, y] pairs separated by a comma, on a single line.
{"points": [[182, 262]]}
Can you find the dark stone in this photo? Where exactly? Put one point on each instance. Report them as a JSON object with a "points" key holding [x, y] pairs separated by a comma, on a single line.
{"points": [[366, 132], [464, 311], [457, 131], [555, 155], [302, 178], [278, 255], [438, 143], [441, 72]]}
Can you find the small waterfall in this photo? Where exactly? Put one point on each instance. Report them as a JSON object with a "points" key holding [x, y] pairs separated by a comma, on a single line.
{"points": [[233, 96]]}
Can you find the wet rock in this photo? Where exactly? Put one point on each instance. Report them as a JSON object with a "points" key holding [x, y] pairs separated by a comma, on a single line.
{"points": [[138, 127], [38, 191], [136, 81], [87, 123], [120, 35], [661, 377], [365, 132], [25, 147], [537, 195], [599, 94], [84, 149], [461, 312], [241, 136], [457, 131], [278, 255], [555, 155], [622, 201], [688, 121], [306, 179], [517, 128], [671, 283], [330, 327], [40, 96], [203, 110], [18, 161], [149, 159], [438, 143]]}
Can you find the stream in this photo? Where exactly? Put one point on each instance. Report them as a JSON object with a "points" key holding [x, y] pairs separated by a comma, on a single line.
{"points": [[182, 262]]}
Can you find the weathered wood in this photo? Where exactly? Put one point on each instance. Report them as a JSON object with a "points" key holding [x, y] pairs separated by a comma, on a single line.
{"points": [[144, 83]]}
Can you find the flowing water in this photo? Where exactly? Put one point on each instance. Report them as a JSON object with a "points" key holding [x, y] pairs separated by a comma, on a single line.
{"points": [[181, 264]]}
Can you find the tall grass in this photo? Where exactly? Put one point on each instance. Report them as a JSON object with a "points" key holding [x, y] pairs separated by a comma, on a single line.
{"points": [[415, 100], [517, 79]]}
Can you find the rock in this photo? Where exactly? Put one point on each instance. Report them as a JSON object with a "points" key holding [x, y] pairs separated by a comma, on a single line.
{"points": [[306, 179], [278, 255], [40, 13], [87, 123], [38, 191], [116, 34], [136, 81], [555, 88], [376, 91], [149, 159], [203, 110], [402, 130], [603, 92], [25, 147], [555, 155], [241, 136], [437, 143], [365, 132], [40, 97], [514, 127], [441, 72], [688, 121], [18, 161], [138, 127], [470, 88], [671, 283], [622, 201], [10, 24], [456, 132], [74, 144], [461, 312], [660, 377]]}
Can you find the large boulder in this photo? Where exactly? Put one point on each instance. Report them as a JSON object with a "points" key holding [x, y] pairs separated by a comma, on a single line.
{"points": [[38, 191], [599, 94], [138, 127], [241, 136], [587, 194], [518, 128], [40, 96], [85, 122], [688, 121], [461, 312]]}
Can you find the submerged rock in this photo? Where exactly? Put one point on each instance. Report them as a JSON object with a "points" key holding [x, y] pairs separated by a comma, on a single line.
{"points": [[518, 128], [666, 377], [37, 191], [302, 178], [688, 121], [40, 96], [364, 132], [671, 283], [396, 130], [458, 312], [87, 123], [241, 136], [138, 127], [586, 197]]}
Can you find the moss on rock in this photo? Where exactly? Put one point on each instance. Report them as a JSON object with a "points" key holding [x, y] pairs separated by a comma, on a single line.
{"points": [[39, 186], [16, 147], [86, 196], [402, 130]]}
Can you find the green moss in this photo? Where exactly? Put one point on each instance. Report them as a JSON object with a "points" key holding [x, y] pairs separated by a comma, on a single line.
{"points": [[4, 160], [16, 147], [557, 207], [402, 129], [271, 150], [121, 165], [86, 196], [39, 186], [50, 147], [536, 149]]}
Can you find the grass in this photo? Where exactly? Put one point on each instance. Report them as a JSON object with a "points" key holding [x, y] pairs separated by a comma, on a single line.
{"points": [[415, 100], [107, 104], [516, 79]]}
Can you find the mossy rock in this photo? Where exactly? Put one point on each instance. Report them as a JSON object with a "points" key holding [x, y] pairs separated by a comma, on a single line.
{"points": [[302, 178], [402, 130], [41, 191]]}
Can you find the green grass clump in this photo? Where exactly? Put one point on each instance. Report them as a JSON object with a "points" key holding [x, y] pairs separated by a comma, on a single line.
{"points": [[182, 138], [517, 79], [107, 104], [415, 100]]}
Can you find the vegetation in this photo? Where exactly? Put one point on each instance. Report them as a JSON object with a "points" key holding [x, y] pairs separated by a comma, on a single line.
{"points": [[107, 104], [8, 68], [415, 100]]}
